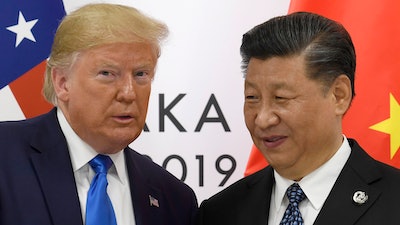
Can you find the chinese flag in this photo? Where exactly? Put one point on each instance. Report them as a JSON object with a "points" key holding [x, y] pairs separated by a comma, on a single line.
{"points": [[374, 116]]}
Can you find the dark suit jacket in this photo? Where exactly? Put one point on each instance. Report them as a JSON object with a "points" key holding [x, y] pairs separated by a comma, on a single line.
{"points": [[248, 200], [37, 185]]}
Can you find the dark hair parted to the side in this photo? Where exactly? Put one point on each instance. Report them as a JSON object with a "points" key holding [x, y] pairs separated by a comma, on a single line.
{"points": [[326, 45]]}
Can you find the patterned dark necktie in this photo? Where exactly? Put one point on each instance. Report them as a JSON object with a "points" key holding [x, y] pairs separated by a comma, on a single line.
{"points": [[99, 210], [292, 214]]}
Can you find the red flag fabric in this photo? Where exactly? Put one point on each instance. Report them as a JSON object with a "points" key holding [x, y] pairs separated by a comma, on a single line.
{"points": [[27, 90], [374, 117]]}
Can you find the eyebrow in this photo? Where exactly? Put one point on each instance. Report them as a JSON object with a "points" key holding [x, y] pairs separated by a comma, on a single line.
{"points": [[280, 85], [275, 85]]}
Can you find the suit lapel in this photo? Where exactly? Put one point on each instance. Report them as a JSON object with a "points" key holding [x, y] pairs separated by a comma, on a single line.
{"points": [[256, 199], [142, 191], [357, 175], [54, 171]]}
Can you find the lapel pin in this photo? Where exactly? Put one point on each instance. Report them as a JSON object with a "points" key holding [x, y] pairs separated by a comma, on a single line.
{"points": [[360, 197], [153, 201]]}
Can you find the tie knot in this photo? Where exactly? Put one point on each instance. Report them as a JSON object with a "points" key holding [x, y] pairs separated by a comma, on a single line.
{"points": [[101, 163], [295, 194]]}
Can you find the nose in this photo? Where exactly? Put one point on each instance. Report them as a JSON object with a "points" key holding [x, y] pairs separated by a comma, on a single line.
{"points": [[266, 117], [126, 89]]}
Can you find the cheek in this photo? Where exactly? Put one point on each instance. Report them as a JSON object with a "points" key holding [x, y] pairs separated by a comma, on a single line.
{"points": [[91, 101], [142, 100], [309, 121], [143, 94], [249, 117]]}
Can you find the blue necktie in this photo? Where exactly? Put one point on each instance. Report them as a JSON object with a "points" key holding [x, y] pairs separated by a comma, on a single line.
{"points": [[292, 214], [99, 210]]}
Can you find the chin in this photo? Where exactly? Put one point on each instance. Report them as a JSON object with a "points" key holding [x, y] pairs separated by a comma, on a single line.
{"points": [[123, 142]]}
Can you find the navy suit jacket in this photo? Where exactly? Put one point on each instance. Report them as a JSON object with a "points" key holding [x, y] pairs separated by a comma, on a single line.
{"points": [[248, 200], [37, 184]]}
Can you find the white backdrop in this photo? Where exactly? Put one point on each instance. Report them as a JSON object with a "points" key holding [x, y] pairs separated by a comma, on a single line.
{"points": [[199, 67]]}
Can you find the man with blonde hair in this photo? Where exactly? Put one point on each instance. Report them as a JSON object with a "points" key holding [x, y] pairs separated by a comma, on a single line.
{"points": [[73, 165]]}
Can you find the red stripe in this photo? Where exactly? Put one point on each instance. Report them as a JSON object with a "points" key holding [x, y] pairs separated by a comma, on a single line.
{"points": [[27, 89]]}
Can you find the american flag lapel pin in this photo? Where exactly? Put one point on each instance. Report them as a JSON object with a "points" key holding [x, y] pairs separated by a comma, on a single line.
{"points": [[153, 201]]}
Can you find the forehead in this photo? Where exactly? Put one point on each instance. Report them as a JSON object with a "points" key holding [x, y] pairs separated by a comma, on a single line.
{"points": [[120, 52], [276, 71]]}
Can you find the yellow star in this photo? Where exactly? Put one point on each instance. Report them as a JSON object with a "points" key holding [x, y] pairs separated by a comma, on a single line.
{"points": [[391, 126]]}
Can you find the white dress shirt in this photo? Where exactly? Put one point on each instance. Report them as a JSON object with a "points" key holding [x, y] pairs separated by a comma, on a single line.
{"points": [[118, 183], [316, 186]]}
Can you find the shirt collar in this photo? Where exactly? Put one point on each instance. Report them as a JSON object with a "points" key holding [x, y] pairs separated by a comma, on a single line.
{"points": [[318, 184], [81, 153]]}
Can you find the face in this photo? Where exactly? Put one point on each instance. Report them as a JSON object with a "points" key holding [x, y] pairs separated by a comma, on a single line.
{"points": [[104, 95], [293, 121]]}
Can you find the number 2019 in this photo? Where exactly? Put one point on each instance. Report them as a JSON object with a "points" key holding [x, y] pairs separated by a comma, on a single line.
{"points": [[200, 158]]}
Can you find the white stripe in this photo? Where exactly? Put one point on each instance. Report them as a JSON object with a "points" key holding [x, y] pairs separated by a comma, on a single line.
{"points": [[9, 108]]}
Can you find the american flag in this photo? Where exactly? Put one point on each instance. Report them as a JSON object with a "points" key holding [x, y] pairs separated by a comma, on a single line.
{"points": [[153, 201], [27, 29]]}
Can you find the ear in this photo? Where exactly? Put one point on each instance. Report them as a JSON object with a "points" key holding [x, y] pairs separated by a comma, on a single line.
{"points": [[342, 93], [60, 83]]}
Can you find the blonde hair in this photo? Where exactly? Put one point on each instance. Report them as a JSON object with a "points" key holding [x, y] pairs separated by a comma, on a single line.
{"points": [[94, 25]]}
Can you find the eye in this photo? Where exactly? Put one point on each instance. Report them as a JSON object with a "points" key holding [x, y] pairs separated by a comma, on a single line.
{"points": [[251, 98], [141, 74], [143, 77], [105, 73], [250, 94], [280, 98]]}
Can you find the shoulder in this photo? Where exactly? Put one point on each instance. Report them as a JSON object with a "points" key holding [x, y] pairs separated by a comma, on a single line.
{"points": [[369, 168], [155, 174], [379, 180], [151, 177], [234, 204], [18, 134], [241, 188], [11, 128]]}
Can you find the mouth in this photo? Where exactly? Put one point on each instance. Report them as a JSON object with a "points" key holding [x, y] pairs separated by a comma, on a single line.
{"points": [[273, 141], [123, 118]]}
